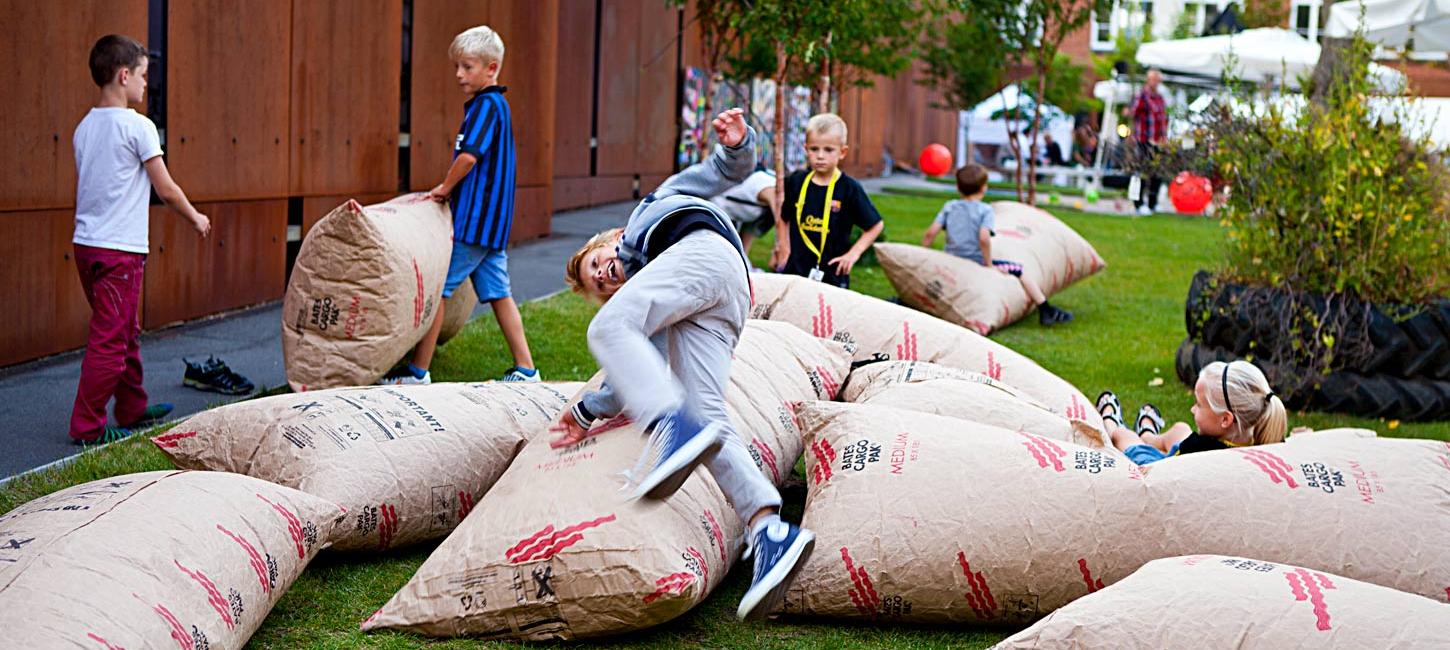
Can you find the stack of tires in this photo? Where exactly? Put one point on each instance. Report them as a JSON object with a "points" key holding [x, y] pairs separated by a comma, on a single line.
{"points": [[1402, 370]]}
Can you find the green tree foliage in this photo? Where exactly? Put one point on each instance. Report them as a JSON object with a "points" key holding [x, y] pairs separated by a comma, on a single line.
{"points": [[969, 59], [1264, 13]]}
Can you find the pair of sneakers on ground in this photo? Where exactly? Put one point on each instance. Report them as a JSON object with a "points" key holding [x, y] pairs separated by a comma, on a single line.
{"points": [[678, 443], [410, 374], [1150, 419]]}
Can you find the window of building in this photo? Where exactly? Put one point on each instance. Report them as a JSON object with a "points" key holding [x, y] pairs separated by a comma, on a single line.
{"points": [[1304, 18]]}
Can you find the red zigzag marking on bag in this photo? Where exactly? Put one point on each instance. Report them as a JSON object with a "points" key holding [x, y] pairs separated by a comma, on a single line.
{"points": [[387, 525], [1272, 465], [768, 457], [1093, 584], [1306, 586], [980, 599], [719, 535], [546, 542], [1044, 451], [673, 583], [252, 555], [465, 504], [863, 594], [178, 633], [92, 636], [171, 440], [294, 527], [213, 597]]}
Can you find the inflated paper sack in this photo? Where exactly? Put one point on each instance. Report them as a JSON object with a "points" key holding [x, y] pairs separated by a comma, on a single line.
{"points": [[364, 290], [873, 328], [921, 518], [457, 310], [154, 560], [963, 394], [1213, 601], [967, 293], [408, 462], [555, 551]]}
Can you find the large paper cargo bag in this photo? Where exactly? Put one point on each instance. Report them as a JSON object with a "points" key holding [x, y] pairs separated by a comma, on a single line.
{"points": [[555, 551], [185, 560], [875, 329], [364, 290], [965, 395], [1002, 527], [457, 310], [1212, 601], [408, 462]]}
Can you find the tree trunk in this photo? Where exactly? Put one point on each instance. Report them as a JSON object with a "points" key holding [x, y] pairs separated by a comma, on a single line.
{"points": [[823, 89], [1329, 70], [778, 137], [1015, 146], [1036, 133]]}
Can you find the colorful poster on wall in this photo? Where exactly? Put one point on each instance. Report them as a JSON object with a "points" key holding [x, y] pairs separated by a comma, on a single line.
{"points": [[757, 97]]}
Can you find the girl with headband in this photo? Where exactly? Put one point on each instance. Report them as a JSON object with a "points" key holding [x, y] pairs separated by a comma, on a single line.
{"points": [[1234, 406]]}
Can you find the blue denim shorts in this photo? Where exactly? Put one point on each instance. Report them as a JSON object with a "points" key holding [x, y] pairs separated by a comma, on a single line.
{"points": [[488, 267], [1145, 454]]}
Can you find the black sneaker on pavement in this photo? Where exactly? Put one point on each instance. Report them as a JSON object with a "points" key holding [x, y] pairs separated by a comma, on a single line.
{"points": [[214, 375]]}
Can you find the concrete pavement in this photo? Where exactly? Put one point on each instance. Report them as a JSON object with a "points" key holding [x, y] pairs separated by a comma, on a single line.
{"points": [[36, 397]]}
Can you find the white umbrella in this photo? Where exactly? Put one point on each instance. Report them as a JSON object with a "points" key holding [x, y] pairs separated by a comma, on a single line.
{"points": [[1266, 53], [1390, 23]]}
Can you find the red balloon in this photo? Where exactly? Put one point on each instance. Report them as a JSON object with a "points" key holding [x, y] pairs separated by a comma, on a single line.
{"points": [[935, 160], [1190, 193]]}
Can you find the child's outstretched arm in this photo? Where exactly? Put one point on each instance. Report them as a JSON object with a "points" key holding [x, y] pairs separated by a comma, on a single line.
{"points": [[171, 194], [575, 421], [456, 173], [930, 237], [727, 167]]}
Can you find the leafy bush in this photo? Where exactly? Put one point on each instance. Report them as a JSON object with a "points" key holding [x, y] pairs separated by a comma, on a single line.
{"points": [[1330, 201]]}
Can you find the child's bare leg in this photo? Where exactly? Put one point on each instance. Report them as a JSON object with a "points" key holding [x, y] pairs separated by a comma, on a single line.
{"points": [[423, 354], [1123, 438], [1033, 291], [512, 325], [1165, 441], [746, 241]]}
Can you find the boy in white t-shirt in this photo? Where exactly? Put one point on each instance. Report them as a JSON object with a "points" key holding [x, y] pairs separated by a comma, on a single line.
{"points": [[118, 158]]}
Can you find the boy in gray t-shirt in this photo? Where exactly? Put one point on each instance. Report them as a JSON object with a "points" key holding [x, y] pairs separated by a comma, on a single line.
{"points": [[970, 225]]}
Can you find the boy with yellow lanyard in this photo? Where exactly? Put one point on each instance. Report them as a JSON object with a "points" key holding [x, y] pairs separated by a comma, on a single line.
{"points": [[823, 206]]}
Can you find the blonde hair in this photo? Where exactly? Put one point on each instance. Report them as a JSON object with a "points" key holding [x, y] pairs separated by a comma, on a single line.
{"points": [[1241, 389], [827, 124], [479, 42], [571, 268]]}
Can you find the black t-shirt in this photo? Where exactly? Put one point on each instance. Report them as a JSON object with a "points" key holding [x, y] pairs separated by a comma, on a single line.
{"points": [[1199, 442], [850, 209]]}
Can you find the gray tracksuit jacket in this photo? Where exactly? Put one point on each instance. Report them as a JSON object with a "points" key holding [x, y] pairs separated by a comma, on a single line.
{"points": [[655, 225]]}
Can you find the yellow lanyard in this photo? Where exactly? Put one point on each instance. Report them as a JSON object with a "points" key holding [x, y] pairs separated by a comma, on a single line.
{"points": [[800, 205]]}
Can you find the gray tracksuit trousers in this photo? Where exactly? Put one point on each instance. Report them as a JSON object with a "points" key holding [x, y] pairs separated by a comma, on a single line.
{"points": [[666, 339]]}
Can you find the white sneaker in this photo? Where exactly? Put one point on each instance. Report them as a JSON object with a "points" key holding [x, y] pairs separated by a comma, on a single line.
{"points": [[405, 378], [1144, 210]]}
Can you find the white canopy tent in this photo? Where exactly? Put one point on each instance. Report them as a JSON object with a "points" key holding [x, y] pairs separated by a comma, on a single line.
{"points": [[1391, 23], [1266, 54], [983, 124]]}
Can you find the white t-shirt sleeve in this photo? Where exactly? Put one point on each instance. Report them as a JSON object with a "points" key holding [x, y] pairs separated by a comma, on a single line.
{"points": [[145, 139]]}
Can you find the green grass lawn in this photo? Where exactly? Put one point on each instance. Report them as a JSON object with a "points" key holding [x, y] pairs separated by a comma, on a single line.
{"points": [[1129, 324]]}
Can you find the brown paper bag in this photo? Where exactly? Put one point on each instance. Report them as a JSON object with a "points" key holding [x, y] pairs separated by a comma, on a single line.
{"points": [[457, 310], [555, 551], [874, 328], [154, 560], [364, 291], [966, 395], [408, 462], [967, 293], [1212, 601], [924, 518]]}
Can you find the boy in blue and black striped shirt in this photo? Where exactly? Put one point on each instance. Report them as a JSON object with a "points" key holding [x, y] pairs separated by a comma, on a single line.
{"points": [[480, 185]]}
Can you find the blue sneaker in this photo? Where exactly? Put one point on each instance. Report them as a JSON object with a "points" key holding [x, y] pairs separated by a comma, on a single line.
{"points": [[678, 443], [780, 550]]}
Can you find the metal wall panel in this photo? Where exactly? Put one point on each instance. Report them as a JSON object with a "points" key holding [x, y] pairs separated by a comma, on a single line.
{"points": [[47, 46], [346, 59], [619, 86], [657, 117], [227, 99], [46, 310], [243, 261]]}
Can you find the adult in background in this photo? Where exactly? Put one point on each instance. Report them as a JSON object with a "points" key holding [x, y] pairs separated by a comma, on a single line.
{"points": [[1054, 151], [1150, 128], [1084, 144]]}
